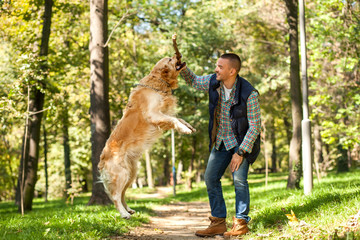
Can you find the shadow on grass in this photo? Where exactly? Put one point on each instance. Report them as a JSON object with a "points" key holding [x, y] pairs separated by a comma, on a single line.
{"points": [[58, 220], [327, 194], [277, 215]]}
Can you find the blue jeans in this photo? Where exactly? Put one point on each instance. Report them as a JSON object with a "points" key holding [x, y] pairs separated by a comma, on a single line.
{"points": [[216, 166]]}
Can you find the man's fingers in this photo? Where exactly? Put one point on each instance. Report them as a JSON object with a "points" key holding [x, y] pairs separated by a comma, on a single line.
{"points": [[235, 165], [232, 166]]}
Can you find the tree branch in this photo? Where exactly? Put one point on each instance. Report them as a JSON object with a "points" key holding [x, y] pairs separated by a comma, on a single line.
{"points": [[127, 14]]}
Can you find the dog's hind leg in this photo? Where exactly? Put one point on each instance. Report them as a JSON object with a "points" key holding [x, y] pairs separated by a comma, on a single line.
{"points": [[131, 211], [118, 194], [132, 159]]}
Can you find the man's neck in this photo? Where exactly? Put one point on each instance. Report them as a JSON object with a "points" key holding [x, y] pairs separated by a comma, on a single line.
{"points": [[229, 83]]}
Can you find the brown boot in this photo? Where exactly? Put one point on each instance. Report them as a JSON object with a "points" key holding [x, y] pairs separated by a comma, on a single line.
{"points": [[239, 228], [216, 227]]}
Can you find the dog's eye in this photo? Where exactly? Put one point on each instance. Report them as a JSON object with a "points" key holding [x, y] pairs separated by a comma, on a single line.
{"points": [[170, 59]]}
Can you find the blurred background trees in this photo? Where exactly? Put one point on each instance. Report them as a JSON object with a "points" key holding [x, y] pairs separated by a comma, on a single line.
{"points": [[257, 30]]}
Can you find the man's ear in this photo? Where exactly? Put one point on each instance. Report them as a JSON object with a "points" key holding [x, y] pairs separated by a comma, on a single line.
{"points": [[233, 72]]}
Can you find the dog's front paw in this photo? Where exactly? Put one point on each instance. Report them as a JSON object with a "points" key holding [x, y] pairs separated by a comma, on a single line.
{"points": [[187, 125], [191, 128], [183, 129]]}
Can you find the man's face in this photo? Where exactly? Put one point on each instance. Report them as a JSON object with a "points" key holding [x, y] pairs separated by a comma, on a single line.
{"points": [[223, 69]]}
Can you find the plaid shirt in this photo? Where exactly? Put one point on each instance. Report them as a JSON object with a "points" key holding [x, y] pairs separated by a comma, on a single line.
{"points": [[224, 131]]}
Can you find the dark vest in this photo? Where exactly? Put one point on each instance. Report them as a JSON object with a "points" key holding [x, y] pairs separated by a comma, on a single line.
{"points": [[238, 113]]}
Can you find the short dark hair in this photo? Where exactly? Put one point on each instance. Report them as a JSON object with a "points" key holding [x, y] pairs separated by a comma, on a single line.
{"points": [[234, 59]]}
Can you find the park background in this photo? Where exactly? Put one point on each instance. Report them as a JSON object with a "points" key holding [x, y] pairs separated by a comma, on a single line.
{"points": [[46, 87]]}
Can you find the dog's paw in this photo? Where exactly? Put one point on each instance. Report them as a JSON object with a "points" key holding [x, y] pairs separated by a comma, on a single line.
{"points": [[185, 130], [125, 215], [187, 125], [192, 129], [182, 128], [131, 211]]}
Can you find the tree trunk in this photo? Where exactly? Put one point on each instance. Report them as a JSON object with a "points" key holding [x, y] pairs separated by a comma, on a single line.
{"points": [[149, 170], [29, 160], [295, 169], [99, 93], [191, 165], [342, 160], [318, 156], [45, 163], [179, 171], [349, 160], [166, 164], [273, 144], [287, 129], [66, 145]]}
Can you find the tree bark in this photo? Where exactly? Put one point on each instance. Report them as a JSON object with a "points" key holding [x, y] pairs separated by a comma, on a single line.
{"points": [[179, 171], [191, 165], [318, 156], [45, 163], [295, 169], [29, 160], [149, 169], [66, 145], [274, 168], [166, 164], [99, 93]]}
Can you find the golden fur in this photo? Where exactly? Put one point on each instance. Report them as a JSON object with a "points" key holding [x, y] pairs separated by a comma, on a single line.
{"points": [[150, 111]]}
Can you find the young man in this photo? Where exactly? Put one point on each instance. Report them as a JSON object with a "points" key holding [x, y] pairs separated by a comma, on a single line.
{"points": [[234, 131]]}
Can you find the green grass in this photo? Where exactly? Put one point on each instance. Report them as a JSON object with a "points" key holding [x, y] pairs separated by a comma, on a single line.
{"points": [[333, 201], [58, 220]]}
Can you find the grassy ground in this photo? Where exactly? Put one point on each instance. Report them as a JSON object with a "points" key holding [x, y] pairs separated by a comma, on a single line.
{"points": [[322, 215]]}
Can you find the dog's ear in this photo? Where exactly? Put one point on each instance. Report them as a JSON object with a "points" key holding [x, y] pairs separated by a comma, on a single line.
{"points": [[165, 71]]}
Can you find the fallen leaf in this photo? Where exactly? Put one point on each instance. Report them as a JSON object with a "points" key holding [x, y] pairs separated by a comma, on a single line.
{"points": [[158, 230], [292, 218]]}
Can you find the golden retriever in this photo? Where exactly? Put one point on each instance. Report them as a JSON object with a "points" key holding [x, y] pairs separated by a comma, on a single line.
{"points": [[150, 111]]}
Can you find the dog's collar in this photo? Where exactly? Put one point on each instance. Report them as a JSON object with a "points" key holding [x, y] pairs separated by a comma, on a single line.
{"points": [[167, 84], [146, 86], [157, 90]]}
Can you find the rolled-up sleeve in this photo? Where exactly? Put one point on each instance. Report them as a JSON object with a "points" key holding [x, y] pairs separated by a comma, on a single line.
{"points": [[198, 82]]}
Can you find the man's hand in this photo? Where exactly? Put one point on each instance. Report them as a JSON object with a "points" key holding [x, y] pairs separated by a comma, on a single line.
{"points": [[236, 162]]}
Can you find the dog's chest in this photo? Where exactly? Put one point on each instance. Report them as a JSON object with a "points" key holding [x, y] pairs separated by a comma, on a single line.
{"points": [[168, 104]]}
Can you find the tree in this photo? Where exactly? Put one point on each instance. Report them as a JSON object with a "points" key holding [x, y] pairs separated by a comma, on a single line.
{"points": [[29, 160], [295, 95], [65, 135], [149, 170], [99, 93]]}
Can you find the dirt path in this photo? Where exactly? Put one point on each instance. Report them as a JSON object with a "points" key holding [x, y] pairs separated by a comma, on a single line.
{"points": [[177, 221]]}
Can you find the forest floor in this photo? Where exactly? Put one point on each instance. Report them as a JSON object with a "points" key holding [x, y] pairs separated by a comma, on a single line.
{"points": [[176, 221]]}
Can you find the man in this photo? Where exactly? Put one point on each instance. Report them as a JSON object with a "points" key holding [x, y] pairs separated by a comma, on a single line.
{"points": [[234, 129]]}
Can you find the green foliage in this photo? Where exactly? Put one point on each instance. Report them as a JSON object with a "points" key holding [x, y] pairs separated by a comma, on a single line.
{"points": [[334, 70]]}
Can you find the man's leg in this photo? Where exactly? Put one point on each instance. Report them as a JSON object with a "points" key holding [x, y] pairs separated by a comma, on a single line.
{"points": [[242, 201], [242, 205], [216, 166]]}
